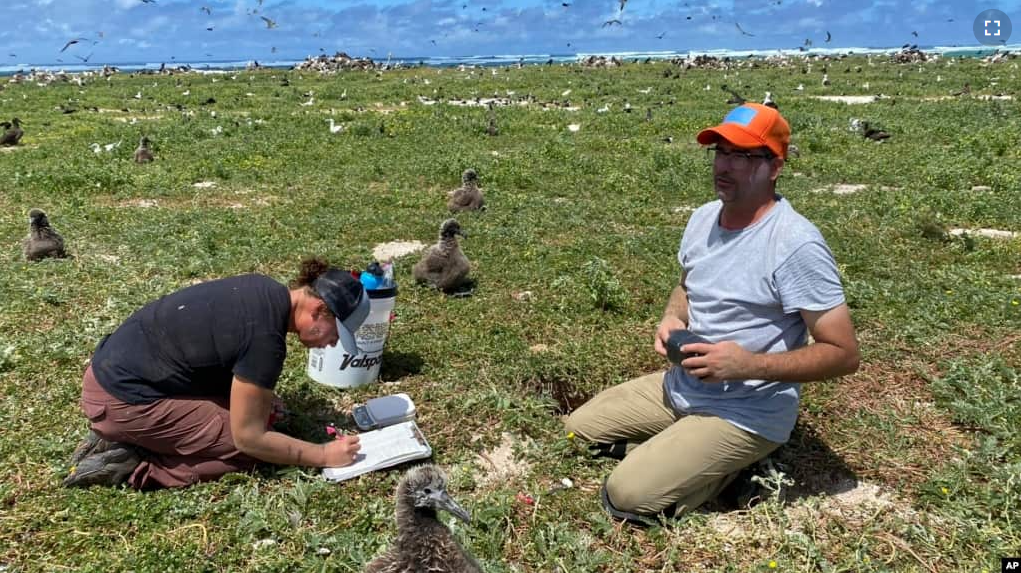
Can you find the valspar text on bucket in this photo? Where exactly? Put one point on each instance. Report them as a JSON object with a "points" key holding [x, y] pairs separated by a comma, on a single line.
{"points": [[334, 366]]}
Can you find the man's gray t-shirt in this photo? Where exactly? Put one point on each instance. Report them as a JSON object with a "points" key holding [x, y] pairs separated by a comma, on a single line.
{"points": [[748, 286]]}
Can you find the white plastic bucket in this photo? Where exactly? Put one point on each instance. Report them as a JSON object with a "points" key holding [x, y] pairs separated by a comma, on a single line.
{"points": [[333, 365]]}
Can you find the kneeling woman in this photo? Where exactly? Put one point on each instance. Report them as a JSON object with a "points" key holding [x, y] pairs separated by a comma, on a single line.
{"points": [[182, 391]]}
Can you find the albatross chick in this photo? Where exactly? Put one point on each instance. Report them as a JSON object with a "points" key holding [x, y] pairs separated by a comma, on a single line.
{"points": [[468, 197], [42, 240], [444, 266], [424, 543], [13, 134], [143, 154]]}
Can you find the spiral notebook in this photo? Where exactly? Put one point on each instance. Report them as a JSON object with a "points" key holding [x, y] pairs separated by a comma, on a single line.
{"points": [[384, 448]]}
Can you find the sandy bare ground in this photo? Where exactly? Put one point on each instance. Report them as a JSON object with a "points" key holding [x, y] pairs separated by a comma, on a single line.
{"points": [[499, 466], [851, 100], [395, 249], [851, 188], [989, 233]]}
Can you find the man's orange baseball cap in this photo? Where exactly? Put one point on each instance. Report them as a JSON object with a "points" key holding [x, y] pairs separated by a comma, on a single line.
{"points": [[751, 125]]}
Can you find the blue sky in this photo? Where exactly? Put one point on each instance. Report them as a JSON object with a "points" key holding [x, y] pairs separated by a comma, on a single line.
{"points": [[169, 30]]}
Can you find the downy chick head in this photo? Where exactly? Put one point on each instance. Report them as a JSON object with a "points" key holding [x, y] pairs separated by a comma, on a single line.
{"points": [[469, 176], [37, 219], [425, 487], [451, 227]]}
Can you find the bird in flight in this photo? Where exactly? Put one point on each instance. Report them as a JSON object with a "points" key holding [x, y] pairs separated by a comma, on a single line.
{"points": [[564, 4], [612, 22], [72, 42], [207, 10], [622, 4], [148, 1], [740, 29], [913, 33], [660, 37], [269, 23], [85, 59], [210, 28], [828, 37]]}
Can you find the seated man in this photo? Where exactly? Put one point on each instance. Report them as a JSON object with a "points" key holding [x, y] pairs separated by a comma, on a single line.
{"points": [[756, 279], [182, 391]]}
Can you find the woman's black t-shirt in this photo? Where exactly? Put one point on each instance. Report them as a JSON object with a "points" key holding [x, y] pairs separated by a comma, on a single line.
{"points": [[192, 342]]}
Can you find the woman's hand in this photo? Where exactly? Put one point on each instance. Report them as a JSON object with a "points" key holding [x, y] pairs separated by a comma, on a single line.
{"points": [[341, 452]]}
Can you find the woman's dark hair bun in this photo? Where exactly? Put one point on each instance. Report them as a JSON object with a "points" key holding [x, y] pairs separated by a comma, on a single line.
{"points": [[311, 268]]}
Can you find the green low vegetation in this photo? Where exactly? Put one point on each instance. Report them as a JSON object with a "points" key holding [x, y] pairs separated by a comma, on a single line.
{"points": [[912, 464]]}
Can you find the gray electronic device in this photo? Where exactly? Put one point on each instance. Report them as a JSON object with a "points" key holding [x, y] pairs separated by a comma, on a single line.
{"points": [[679, 338], [384, 411]]}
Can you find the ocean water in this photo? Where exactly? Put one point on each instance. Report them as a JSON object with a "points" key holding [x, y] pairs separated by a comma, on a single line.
{"points": [[214, 66]]}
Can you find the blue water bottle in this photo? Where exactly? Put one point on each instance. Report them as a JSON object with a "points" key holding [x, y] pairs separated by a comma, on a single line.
{"points": [[372, 276]]}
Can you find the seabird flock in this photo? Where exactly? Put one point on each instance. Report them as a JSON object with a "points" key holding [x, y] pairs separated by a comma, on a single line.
{"points": [[617, 20]]}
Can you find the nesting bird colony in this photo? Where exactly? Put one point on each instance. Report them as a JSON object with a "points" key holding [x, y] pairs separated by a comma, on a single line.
{"points": [[907, 165]]}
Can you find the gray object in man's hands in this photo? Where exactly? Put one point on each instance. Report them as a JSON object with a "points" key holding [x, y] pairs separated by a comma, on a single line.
{"points": [[679, 338]]}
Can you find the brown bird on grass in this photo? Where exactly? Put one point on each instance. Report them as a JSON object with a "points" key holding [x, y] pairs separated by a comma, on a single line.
{"points": [[735, 98], [13, 133], [143, 154], [444, 266], [43, 240], [872, 133], [424, 543], [467, 197]]}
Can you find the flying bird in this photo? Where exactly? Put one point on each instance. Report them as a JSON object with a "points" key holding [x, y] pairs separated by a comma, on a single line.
{"points": [[269, 23], [612, 22], [564, 4], [622, 4], [85, 59], [210, 29], [828, 37], [148, 1], [207, 10], [72, 42], [660, 37], [739, 29]]}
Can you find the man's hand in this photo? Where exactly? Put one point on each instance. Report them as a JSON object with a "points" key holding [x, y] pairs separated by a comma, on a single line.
{"points": [[341, 452], [725, 360], [668, 324]]}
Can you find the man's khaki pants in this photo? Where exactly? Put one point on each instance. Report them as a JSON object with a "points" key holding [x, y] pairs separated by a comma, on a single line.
{"points": [[671, 459]]}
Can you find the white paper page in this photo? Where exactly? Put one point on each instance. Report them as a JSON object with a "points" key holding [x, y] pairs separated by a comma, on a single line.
{"points": [[384, 448]]}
